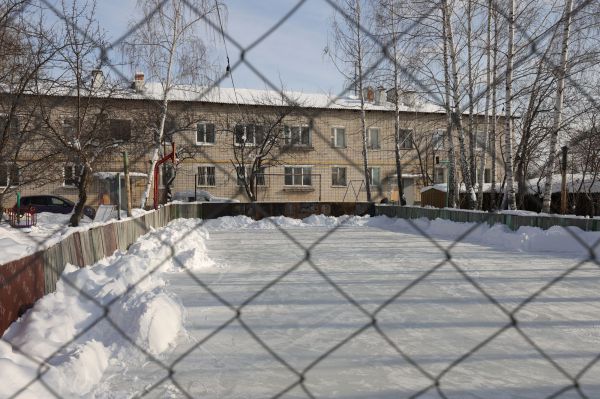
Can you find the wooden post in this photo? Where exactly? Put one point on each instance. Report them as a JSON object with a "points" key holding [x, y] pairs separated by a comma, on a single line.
{"points": [[563, 187], [127, 183]]}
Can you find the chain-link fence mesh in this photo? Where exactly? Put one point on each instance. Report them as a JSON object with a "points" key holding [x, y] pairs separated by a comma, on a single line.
{"points": [[199, 180]]}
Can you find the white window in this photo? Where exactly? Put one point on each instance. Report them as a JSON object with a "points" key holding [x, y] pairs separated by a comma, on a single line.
{"points": [[71, 174], [440, 175], [297, 135], [338, 176], [206, 176], [339, 137], [439, 140], [373, 138], [9, 175], [244, 173], [205, 133], [375, 176], [297, 175], [406, 138], [248, 134]]}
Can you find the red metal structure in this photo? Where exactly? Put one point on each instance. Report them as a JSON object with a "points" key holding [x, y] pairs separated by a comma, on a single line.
{"points": [[21, 218], [172, 157]]}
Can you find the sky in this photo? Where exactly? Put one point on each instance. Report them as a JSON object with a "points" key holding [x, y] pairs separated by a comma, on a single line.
{"points": [[292, 55]]}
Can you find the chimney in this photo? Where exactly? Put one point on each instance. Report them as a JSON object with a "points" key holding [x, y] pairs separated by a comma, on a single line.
{"points": [[97, 78], [380, 96], [369, 94], [409, 98], [138, 82]]}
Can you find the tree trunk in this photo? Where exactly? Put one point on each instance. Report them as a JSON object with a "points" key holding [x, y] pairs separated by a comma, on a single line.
{"points": [[451, 188], [558, 106], [493, 148], [82, 185], [508, 133], [363, 124]]}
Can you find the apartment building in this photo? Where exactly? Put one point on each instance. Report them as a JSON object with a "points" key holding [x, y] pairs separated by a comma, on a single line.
{"points": [[313, 145]]}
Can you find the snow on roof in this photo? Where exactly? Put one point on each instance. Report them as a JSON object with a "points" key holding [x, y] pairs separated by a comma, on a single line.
{"points": [[487, 187], [221, 95], [575, 183]]}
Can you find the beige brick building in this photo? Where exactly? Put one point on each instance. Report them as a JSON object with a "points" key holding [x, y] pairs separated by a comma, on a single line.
{"points": [[317, 156]]}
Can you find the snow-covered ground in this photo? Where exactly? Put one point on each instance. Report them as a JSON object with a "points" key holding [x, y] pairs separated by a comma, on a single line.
{"points": [[50, 228], [156, 299]]}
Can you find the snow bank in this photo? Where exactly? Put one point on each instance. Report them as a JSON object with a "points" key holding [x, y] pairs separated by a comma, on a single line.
{"points": [[67, 330]]}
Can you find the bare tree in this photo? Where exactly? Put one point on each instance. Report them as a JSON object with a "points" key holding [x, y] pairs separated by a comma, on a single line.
{"points": [[558, 107], [171, 51], [352, 53]]}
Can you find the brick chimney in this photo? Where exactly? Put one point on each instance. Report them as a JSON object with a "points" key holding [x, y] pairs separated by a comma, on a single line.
{"points": [[138, 82]]}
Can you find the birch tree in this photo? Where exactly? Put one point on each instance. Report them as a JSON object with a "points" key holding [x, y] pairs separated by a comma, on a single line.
{"points": [[352, 51], [558, 107], [170, 49]]}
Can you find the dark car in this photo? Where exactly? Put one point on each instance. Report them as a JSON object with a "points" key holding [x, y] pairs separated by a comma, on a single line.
{"points": [[53, 204]]}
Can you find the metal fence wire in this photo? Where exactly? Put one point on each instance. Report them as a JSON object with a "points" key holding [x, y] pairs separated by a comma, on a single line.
{"points": [[372, 316]]}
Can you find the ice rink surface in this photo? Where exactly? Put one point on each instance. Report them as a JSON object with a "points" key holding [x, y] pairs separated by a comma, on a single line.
{"points": [[434, 323]]}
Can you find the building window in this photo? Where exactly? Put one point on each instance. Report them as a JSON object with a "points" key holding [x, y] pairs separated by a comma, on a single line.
{"points": [[245, 172], [373, 138], [206, 176], [69, 127], [439, 140], [205, 133], [440, 175], [406, 138], [339, 137], [248, 134], [71, 174], [13, 125], [338, 176], [375, 176], [297, 175], [9, 175], [487, 175], [120, 129], [480, 137], [296, 136]]}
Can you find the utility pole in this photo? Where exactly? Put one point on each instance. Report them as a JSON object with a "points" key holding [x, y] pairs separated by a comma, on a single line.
{"points": [[563, 187], [127, 184]]}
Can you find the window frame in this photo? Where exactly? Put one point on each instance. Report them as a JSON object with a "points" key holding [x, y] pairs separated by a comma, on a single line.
{"points": [[439, 145], [302, 175], [73, 167], [378, 144], [245, 134], [333, 173], [403, 145], [9, 174], [207, 178], [246, 169], [378, 168], [334, 130], [288, 136], [214, 134]]}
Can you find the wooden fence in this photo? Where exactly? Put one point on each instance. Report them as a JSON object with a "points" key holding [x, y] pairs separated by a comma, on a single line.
{"points": [[512, 221]]}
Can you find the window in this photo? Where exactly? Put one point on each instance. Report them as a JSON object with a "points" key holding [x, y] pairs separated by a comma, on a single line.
{"points": [[374, 173], [69, 127], [169, 130], [248, 134], [9, 175], [339, 137], [487, 175], [480, 141], [439, 140], [440, 175], [373, 138], [206, 176], [338, 176], [243, 172], [406, 138], [205, 133], [296, 135], [13, 125], [71, 175], [120, 129], [297, 175]]}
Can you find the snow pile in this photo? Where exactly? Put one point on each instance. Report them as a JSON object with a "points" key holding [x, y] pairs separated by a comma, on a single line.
{"points": [[50, 229], [274, 222], [68, 331], [527, 239]]}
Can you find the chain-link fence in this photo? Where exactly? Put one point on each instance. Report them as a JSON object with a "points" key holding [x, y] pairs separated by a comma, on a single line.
{"points": [[553, 374]]}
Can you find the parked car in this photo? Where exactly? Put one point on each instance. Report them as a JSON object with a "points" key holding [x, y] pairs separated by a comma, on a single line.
{"points": [[53, 204]]}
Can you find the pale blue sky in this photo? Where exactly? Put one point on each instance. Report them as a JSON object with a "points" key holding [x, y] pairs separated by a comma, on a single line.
{"points": [[293, 54]]}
